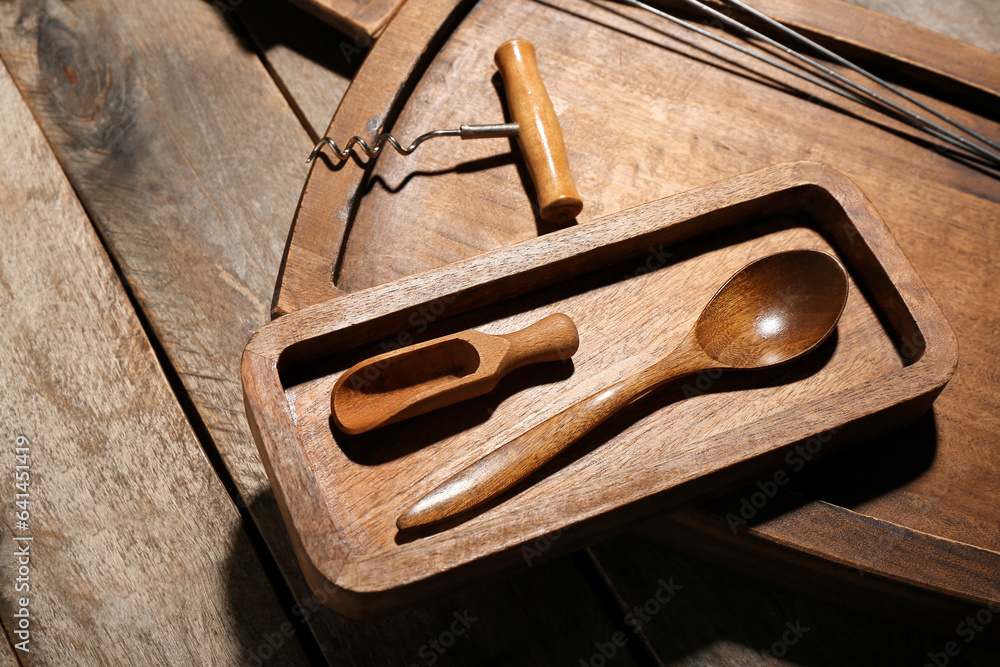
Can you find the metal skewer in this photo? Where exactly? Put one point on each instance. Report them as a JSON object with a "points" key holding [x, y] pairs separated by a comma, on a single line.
{"points": [[847, 63], [898, 111]]}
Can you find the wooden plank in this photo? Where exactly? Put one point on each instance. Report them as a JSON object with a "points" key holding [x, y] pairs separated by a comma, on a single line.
{"points": [[916, 558], [190, 162], [367, 17], [973, 21], [7, 656], [721, 617], [134, 550], [142, 120], [311, 61]]}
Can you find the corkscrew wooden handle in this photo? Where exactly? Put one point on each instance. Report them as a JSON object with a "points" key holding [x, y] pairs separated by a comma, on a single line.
{"points": [[540, 137]]}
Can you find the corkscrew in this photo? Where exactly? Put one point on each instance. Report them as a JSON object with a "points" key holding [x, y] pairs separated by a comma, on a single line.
{"points": [[535, 126]]}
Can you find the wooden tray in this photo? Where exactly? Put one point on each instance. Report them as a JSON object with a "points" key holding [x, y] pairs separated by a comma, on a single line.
{"points": [[634, 282]]}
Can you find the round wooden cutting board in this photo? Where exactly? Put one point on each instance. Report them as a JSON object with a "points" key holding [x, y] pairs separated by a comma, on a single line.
{"points": [[649, 111]]}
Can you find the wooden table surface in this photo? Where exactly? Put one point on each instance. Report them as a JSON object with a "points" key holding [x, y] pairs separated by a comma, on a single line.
{"points": [[151, 163]]}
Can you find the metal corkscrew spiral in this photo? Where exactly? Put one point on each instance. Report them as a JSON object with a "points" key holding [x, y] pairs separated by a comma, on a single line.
{"points": [[373, 151], [535, 126]]}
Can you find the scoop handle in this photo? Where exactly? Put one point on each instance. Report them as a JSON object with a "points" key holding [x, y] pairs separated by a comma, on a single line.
{"points": [[553, 338], [540, 137]]}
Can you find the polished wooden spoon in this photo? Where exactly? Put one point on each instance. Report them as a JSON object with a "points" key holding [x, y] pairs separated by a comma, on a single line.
{"points": [[417, 379], [772, 311]]}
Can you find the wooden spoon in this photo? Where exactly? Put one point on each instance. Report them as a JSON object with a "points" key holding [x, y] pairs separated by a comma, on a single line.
{"points": [[772, 311], [417, 379]]}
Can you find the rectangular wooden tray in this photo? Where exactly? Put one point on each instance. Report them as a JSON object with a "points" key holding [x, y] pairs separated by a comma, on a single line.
{"points": [[634, 282]]}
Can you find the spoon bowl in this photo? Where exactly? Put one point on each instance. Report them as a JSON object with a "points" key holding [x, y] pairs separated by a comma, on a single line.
{"points": [[770, 312], [773, 310]]}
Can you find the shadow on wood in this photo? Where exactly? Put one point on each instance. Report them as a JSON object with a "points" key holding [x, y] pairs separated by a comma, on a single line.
{"points": [[536, 617]]}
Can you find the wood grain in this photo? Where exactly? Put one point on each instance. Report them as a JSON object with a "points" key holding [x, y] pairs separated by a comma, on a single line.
{"points": [[125, 510], [189, 160], [400, 639], [297, 48], [721, 617], [964, 21], [317, 247], [7, 656], [311, 62], [325, 207], [364, 16], [970, 21], [624, 155]]}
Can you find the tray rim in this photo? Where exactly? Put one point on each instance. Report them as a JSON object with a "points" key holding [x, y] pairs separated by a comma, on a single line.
{"points": [[312, 524]]}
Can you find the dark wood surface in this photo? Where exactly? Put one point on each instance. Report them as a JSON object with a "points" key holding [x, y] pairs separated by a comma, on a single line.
{"points": [[181, 128]]}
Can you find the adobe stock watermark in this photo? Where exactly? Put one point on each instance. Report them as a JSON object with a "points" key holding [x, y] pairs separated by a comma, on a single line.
{"points": [[790, 637], [273, 641], [968, 629], [351, 48], [419, 319], [634, 619], [539, 546], [796, 458], [432, 650], [655, 259], [302, 611], [21, 624], [359, 44]]}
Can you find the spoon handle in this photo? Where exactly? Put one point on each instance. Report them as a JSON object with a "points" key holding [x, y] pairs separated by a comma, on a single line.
{"points": [[506, 466]]}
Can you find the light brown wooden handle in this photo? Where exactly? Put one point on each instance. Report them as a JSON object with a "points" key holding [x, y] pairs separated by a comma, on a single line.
{"points": [[506, 466], [540, 137], [553, 338]]}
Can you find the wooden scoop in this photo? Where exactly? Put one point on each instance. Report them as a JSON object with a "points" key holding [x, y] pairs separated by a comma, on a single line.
{"points": [[417, 379], [772, 311]]}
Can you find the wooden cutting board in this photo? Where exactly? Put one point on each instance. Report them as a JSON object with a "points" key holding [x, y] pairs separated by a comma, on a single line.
{"points": [[649, 113]]}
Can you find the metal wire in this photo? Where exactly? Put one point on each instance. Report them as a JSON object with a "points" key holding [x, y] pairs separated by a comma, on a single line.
{"points": [[834, 82], [894, 109], [847, 63]]}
